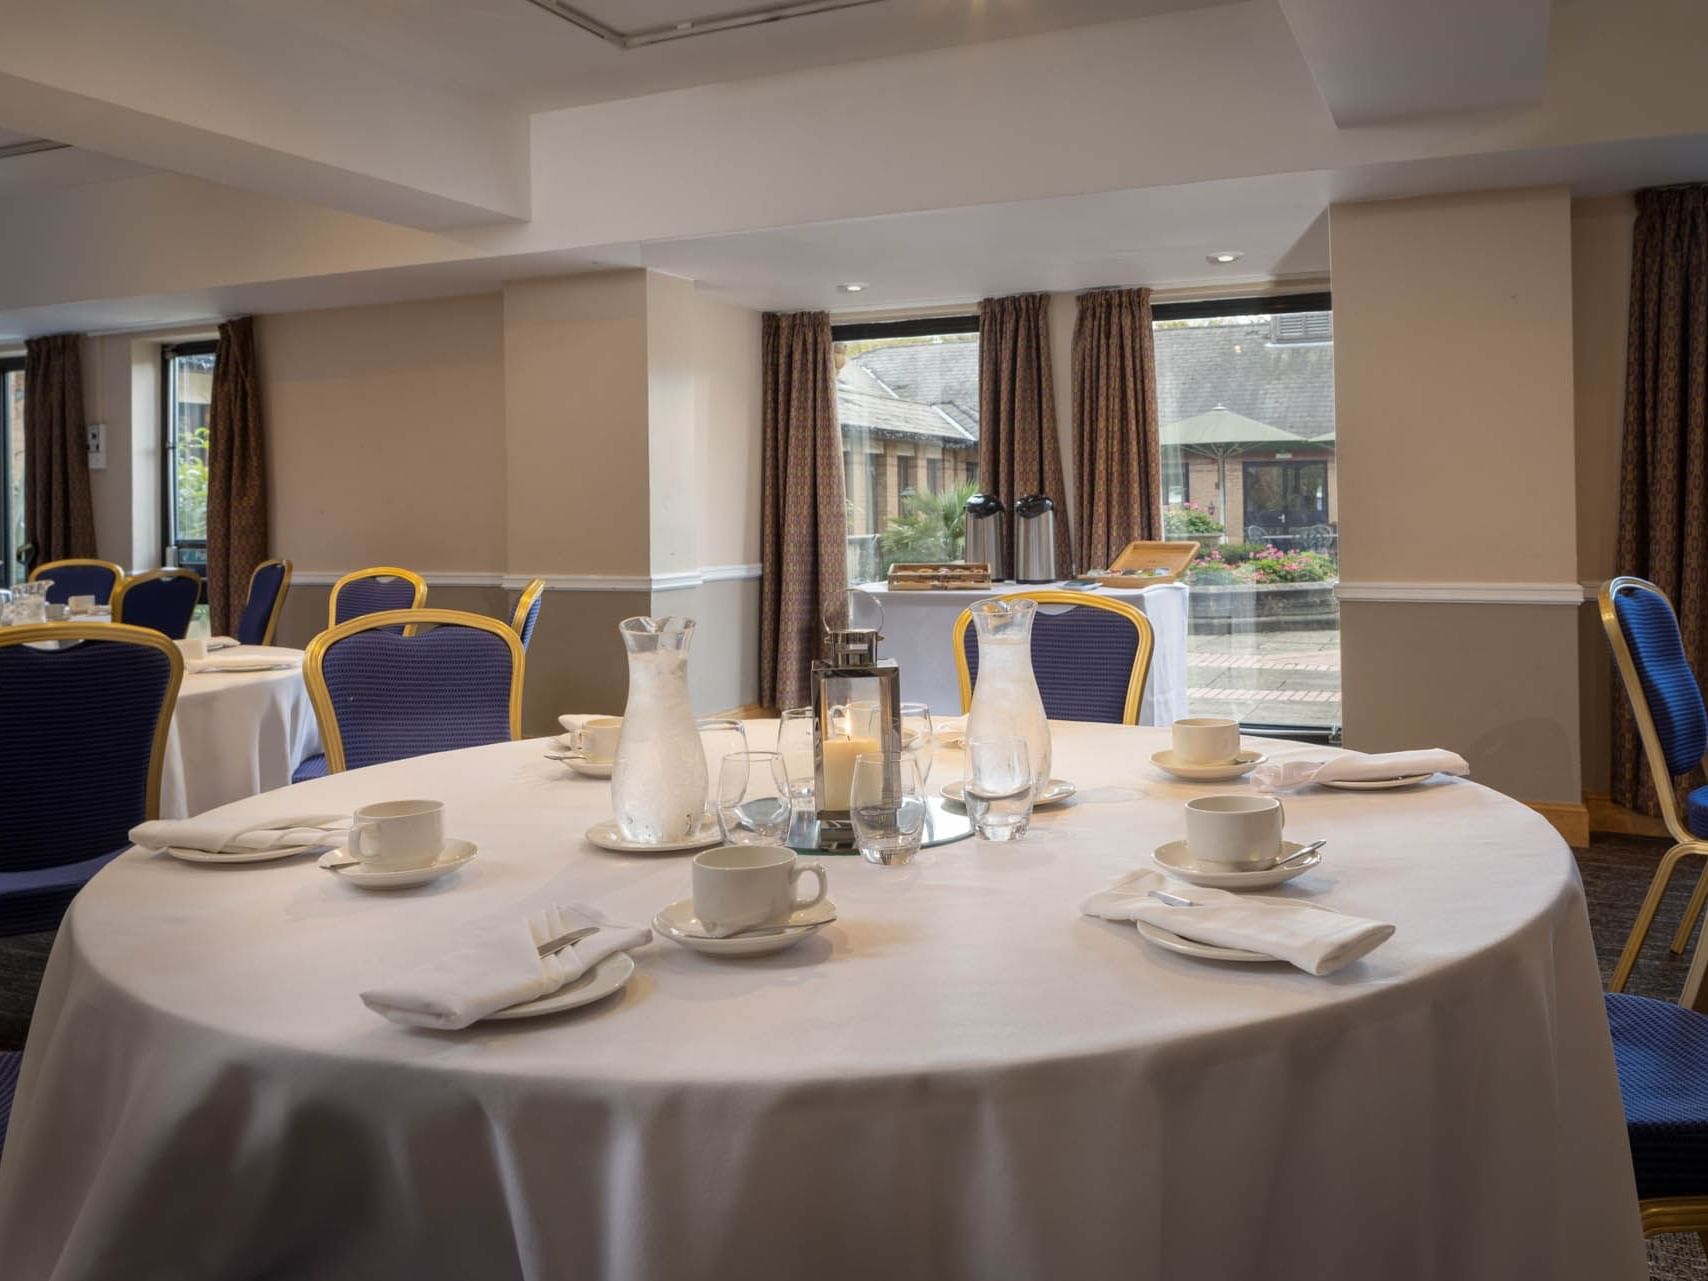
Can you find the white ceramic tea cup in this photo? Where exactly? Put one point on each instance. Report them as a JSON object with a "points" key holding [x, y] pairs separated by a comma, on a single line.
{"points": [[738, 887], [82, 604], [596, 739], [1205, 740], [398, 834], [1242, 832]]}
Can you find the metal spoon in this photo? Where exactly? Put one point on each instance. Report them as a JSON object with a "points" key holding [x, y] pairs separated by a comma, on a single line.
{"points": [[1299, 855]]}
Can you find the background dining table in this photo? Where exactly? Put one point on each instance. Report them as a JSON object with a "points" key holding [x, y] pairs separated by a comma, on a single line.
{"points": [[962, 1077]]}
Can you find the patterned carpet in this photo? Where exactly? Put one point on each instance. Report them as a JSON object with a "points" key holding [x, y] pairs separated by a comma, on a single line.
{"points": [[1616, 872]]}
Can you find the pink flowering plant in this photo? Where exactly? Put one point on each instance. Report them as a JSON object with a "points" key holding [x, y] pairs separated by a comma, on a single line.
{"points": [[1188, 519], [1268, 565]]}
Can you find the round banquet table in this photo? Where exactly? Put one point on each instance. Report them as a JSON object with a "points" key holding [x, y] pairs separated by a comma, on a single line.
{"points": [[235, 734], [960, 1078]]}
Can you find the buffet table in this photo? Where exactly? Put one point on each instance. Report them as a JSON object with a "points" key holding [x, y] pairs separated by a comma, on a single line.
{"points": [[919, 629], [961, 1078]]}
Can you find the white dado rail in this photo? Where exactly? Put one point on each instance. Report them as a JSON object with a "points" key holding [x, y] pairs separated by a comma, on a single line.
{"points": [[1466, 593], [557, 582]]}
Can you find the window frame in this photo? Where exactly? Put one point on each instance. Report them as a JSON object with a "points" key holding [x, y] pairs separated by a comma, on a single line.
{"points": [[171, 546], [11, 571]]}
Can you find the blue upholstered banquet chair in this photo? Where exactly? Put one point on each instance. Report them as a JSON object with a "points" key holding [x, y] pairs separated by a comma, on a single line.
{"points": [[368, 591], [528, 611], [268, 586], [70, 578], [1666, 702], [164, 599], [404, 683], [1090, 660]]}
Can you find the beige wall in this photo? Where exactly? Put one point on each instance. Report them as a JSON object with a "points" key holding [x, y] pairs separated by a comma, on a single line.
{"points": [[1454, 406], [728, 444]]}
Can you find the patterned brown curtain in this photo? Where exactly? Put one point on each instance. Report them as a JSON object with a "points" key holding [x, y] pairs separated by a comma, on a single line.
{"points": [[59, 517], [1018, 450], [237, 474], [1663, 481], [1116, 447], [803, 530]]}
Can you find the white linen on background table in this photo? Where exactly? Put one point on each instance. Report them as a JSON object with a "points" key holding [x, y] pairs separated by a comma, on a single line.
{"points": [[236, 734], [919, 635], [961, 1078]]}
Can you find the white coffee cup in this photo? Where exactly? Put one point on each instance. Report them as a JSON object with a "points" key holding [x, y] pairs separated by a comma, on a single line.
{"points": [[398, 834], [1205, 740], [194, 648], [738, 887], [596, 739], [82, 604], [1240, 831]]}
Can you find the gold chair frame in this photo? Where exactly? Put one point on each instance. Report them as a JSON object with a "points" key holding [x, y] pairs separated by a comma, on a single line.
{"points": [[36, 633], [153, 575], [376, 571], [331, 738], [278, 600], [118, 571], [1141, 656], [1666, 787], [524, 603]]}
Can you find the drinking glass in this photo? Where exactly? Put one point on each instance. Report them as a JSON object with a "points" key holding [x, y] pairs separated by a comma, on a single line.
{"points": [[999, 788], [29, 601], [718, 738], [886, 800], [753, 799], [794, 745], [916, 736]]}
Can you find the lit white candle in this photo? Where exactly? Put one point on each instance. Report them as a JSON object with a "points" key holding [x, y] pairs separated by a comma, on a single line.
{"points": [[839, 754]]}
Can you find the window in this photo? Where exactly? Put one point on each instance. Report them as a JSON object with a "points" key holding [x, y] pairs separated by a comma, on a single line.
{"points": [[1245, 398], [12, 546], [907, 392], [187, 383]]}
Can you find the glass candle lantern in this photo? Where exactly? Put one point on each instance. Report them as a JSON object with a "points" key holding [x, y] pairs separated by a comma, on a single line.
{"points": [[856, 702]]}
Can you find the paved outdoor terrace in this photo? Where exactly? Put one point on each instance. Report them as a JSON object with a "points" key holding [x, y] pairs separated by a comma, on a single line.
{"points": [[1266, 678]]}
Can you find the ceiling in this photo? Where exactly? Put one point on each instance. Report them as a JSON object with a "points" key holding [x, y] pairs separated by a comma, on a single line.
{"points": [[41, 171], [515, 52]]}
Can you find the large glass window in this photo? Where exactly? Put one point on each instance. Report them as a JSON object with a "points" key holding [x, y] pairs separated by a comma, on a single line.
{"points": [[1245, 398], [907, 397], [12, 547], [188, 384]]}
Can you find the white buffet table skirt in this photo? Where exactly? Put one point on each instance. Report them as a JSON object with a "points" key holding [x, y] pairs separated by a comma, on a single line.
{"points": [[961, 1078], [236, 734], [919, 630]]}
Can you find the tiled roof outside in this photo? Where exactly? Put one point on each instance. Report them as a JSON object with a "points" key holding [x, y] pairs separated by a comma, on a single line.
{"points": [[1285, 385], [931, 389], [867, 411]]}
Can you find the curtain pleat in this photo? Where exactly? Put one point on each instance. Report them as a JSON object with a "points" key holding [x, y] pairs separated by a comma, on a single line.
{"points": [[59, 516], [1663, 481], [237, 474], [803, 528], [1116, 444], [1019, 453]]}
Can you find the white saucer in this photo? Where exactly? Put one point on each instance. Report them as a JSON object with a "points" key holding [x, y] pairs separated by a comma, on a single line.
{"points": [[1381, 784], [1056, 790], [453, 856], [1220, 772], [1210, 951], [590, 769], [1173, 859], [679, 924], [599, 982], [241, 856], [606, 836]]}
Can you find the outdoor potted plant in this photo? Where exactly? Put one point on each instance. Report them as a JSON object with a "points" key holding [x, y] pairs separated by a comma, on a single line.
{"points": [[1182, 521]]}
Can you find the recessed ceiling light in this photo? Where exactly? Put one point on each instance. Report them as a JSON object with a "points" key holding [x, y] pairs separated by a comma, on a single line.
{"points": [[850, 289], [1225, 256]]}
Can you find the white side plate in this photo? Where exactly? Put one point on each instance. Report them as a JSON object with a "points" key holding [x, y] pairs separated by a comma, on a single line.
{"points": [[1380, 784], [241, 856], [1056, 790], [606, 836], [599, 982]]}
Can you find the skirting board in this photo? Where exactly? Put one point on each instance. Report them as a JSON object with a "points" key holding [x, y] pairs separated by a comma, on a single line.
{"points": [[1605, 816], [1570, 821]]}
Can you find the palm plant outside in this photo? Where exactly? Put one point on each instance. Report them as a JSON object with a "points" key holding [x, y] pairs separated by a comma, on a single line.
{"points": [[931, 527]]}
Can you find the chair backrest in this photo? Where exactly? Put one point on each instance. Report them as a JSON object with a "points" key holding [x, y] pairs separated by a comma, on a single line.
{"points": [[83, 737], [368, 591], [405, 682], [70, 578], [164, 599], [267, 588], [1090, 660], [1666, 701], [528, 611]]}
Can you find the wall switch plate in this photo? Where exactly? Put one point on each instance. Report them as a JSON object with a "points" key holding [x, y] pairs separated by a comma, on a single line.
{"points": [[95, 435]]}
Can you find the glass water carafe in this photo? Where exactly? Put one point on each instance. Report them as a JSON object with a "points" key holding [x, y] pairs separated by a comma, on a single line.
{"points": [[658, 780], [1005, 698]]}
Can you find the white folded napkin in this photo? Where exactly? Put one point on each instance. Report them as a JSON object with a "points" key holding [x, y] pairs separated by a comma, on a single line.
{"points": [[247, 661], [222, 642], [217, 834], [1324, 765], [1315, 940], [496, 964]]}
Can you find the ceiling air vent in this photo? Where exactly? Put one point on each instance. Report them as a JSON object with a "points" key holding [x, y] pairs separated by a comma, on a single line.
{"points": [[704, 26]]}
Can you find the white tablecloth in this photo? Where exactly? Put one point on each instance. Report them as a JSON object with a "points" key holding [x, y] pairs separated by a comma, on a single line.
{"points": [[919, 631], [960, 1078], [236, 734]]}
